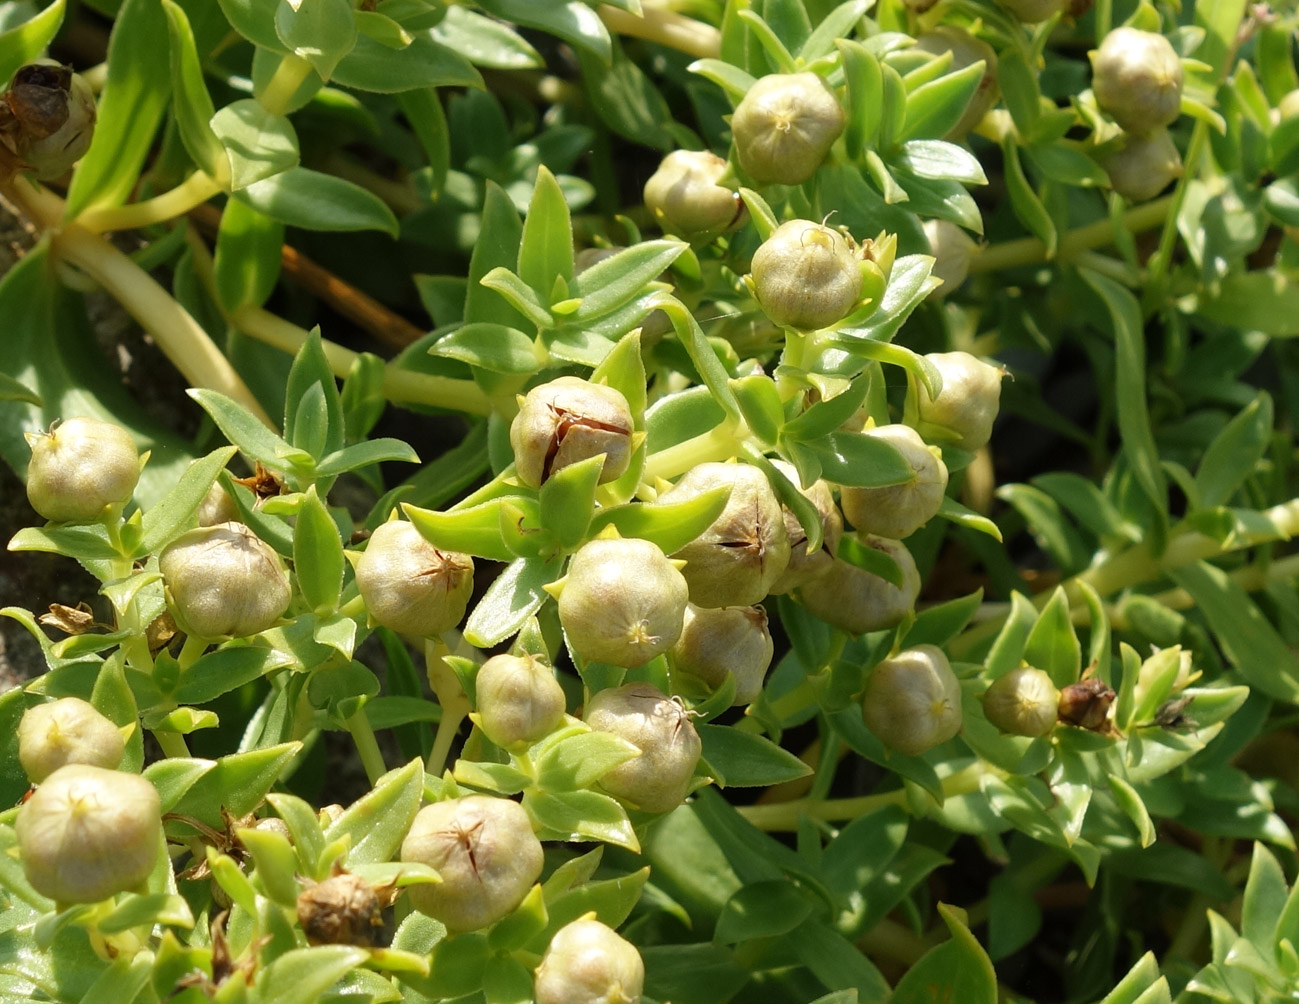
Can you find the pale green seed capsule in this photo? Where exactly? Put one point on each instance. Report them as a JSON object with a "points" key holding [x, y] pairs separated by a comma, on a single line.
{"points": [[913, 701], [685, 197], [722, 640], [223, 581], [79, 468], [1023, 702], [967, 405], [519, 699], [897, 511], [658, 779], [1137, 79], [410, 586], [857, 601], [785, 126], [588, 963], [66, 731], [1144, 166], [806, 276]]}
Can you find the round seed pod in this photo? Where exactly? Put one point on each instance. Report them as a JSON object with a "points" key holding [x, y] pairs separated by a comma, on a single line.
{"points": [[566, 421], [966, 50], [736, 561], [1144, 166], [1032, 11], [66, 731], [622, 601], [342, 910], [897, 511], [803, 567], [658, 779], [784, 127], [588, 963], [1023, 702], [48, 118], [721, 640], [685, 197], [854, 600], [410, 586], [913, 701], [806, 276], [953, 250], [223, 581], [89, 833], [1137, 79], [519, 700], [80, 467], [485, 851], [217, 507], [968, 403]]}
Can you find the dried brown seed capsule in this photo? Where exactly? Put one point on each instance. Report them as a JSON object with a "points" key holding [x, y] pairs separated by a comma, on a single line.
{"points": [[658, 779], [953, 250], [804, 566], [410, 586], [1087, 704], [968, 403], [223, 581], [566, 421], [685, 197], [588, 963], [784, 127], [486, 853], [736, 561], [342, 910], [855, 600], [89, 833], [1032, 11], [1137, 79], [806, 276], [913, 701], [966, 50], [519, 699], [897, 511], [622, 601], [66, 731], [717, 641], [1023, 702], [1144, 166], [80, 467], [47, 118]]}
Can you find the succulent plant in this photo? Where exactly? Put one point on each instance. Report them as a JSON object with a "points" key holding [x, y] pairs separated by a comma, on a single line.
{"points": [[784, 127], [589, 963], [66, 731], [953, 250], [685, 197], [658, 779], [1144, 165], [47, 118], [1023, 702], [720, 640], [410, 586], [855, 600], [968, 403], [568, 420], [966, 50], [519, 699], [912, 701], [79, 468], [806, 275], [804, 566], [897, 511], [1137, 79]]}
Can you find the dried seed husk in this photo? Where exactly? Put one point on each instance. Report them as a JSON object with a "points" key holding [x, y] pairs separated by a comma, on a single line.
{"points": [[341, 910], [566, 421]]}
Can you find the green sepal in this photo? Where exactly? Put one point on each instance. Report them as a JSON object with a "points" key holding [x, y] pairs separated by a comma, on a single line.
{"points": [[317, 555], [515, 596], [304, 826], [516, 929], [580, 816], [760, 404], [578, 761], [475, 530], [670, 525]]}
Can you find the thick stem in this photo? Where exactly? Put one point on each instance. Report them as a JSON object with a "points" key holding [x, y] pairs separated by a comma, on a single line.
{"points": [[279, 90], [667, 28], [172, 743], [367, 746], [719, 443], [452, 698], [193, 191]]}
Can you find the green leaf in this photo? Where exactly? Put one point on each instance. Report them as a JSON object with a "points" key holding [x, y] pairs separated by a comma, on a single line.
{"points": [[580, 816], [1263, 301], [1086, 503], [304, 827], [300, 197], [568, 501], [733, 80], [155, 908], [192, 105], [1020, 91], [365, 454], [485, 42], [275, 861], [317, 555], [849, 458], [302, 975], [27, 41], [838, 23], [937, 625], [174, 512], [954, 512], [424, 112], [579, 761], [320, 432], [239, 782], [670, 525], [321, 31], [1138, 979], [957, 970], [1068, 166], [616, 281], [257, 144], [933, 158], [909, 283], [865, 82], [1026, 204], [372, 66], [626, 99], [475, 530], [515, 596], [744, 760], [761, 406], [1007, 650], [377, 822], [382, 29], [1133, 807], [224, 670], [247, 256], [519, 295], [574, 22], [489, 346], [1049, 526], [835, 961], [762, 910], [1052, 645], [255, 21], [546, 250], [932, 109]]}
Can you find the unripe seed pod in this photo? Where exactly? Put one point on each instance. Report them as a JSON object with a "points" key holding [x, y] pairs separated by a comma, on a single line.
{"points": [[1137, 79], [485, 851], [717, 641], [658, 779], [736, 561], [897, 511], [1023, 702], [806, 276], [342, 910], [48, 118], [685, 197], [1144, 166], [588, 963], [855, 600], [803, 567], [89, 833], [966, 50], [410, 586], [968, 403], [66, 731], [566, 421], [622, 601], [953, 249], [223, 581], [784, 127], [519, 699], [1032, 11], [79, 467], [913, 701], [217, 507]]}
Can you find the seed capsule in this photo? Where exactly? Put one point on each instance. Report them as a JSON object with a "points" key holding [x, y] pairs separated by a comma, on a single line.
{"points": [[953, 250], [80, 467], [1022, 702], [1137, 79], [804, 566], [89, 833], [724, 640], [806, 276], [685, 197], [223, 581], [913, 701], [897, 511], [217, 507], [966, 50], [658, 779], [857, 601], [968, 403], [47, 118], [342, 910], [568, 420], [484, 850], [784, 127], [1144, 166], [588, 963], [66, 731], [519, 700], [410, 586]]}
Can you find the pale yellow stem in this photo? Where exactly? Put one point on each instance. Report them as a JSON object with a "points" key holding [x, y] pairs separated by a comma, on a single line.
{"points": [[193, 191], [668, 28]]}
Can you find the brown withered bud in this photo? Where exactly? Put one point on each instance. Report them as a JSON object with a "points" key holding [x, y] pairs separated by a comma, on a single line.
{"points": [[1087, 704], [47, 118], [69, 620], [566, 421], [342, 910]]}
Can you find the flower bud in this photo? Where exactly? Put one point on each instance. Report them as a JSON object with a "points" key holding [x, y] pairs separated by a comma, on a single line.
{"points": [[1137, 79], [966, 50], [48, 118], [223, 581], [342, 910], [566, 421], [1032, 11], [1023, 702], [953, 250], [804, 566], [685, 197], [79, 467], [967, 405], [485, 851], [519, 699], [65, 731], [588, 963], [658, 779], [784, 127], [736, 561], [855, 600], [622, 601], [806, 276], [410, 586], [89, 833], [1087, 704], [1144, 166], [721, 640], [898, 511], [913, 701]]}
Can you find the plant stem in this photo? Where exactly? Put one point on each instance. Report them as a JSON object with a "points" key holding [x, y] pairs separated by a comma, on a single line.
{"points": [[172, 743], [1163, 257], [190, 652], [452, 698], [667, 28], [722, 442], [367, 746], [193, 191], [281, 88]]}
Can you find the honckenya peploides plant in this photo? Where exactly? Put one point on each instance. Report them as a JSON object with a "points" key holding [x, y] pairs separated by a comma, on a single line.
{"points": [[689, 501]]}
